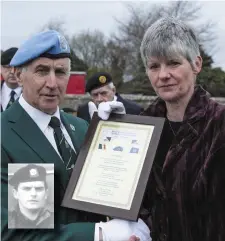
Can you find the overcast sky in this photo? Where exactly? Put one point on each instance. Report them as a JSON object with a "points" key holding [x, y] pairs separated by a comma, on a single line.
{"points": [[20, 19]]}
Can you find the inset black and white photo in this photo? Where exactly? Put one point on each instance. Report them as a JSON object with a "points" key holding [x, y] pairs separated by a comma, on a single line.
{"points": [[31, 196]]}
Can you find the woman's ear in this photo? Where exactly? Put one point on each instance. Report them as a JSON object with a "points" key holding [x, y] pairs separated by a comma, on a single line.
{"points": [[198, 65]]}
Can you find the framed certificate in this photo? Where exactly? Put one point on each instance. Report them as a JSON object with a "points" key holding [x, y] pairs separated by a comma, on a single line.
{"points": [[113, 166]]}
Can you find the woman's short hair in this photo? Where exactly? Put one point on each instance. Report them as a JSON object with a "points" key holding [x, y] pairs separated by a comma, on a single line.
{"points": [[168, 38]]}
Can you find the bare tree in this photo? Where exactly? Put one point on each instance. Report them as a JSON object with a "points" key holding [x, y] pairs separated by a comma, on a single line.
{"points": [[119, 54], [100, 53], [56, 24], [90, 46], [117, 60]]}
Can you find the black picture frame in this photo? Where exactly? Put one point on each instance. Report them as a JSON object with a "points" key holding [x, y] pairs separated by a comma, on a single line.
{"points": [[114, 212]]}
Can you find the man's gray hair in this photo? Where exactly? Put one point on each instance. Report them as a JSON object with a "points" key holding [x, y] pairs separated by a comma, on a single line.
{"points": [[24, 67], [111, 85], [168, 38]]}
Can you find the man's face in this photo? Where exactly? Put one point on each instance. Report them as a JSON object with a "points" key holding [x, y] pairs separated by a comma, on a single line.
{"points": [[31, 195], [102, 94], [44, 82], [9, 76]]}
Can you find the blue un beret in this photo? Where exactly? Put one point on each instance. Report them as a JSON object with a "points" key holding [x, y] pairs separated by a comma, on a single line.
{"points": [[29, 173], [50, 44]]}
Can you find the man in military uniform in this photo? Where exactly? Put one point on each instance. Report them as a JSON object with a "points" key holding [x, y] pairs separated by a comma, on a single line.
{"points": [[10, 89], [34, 130], [101, 88], [30, 189]]}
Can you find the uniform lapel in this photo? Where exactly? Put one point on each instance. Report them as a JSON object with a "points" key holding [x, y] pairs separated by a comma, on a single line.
{"points": [[71, 129], [26, 128]]}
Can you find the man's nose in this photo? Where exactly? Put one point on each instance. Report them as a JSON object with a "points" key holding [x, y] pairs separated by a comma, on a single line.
{"points": [[33, 191], [11, 70], [51, 80], [99, 97]]}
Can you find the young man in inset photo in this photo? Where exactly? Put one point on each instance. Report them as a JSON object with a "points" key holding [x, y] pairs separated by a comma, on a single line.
{"points": [[30, 190]]}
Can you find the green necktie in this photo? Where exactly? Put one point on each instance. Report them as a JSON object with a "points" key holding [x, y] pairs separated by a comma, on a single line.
{"points": [[12, 100], [67, 153]]}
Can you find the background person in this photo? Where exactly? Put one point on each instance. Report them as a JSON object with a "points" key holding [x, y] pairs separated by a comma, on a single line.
{"points": [[10, 89], [101, 89]]}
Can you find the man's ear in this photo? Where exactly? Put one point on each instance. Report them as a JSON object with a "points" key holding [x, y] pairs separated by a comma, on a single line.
{"points": [[46, 193], [14, 192], [18, 74], [197, 65]]}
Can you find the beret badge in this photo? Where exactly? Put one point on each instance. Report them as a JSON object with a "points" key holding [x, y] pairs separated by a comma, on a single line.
{"points": [[102, 79], [62, 42], [34, 173]]}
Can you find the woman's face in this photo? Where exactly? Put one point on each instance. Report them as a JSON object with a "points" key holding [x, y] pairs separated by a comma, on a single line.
{"points": [[173, 79]]}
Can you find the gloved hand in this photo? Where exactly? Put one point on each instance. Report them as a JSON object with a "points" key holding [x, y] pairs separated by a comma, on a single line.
{"points": [[105, 108], [121, 230], [92, 108]]}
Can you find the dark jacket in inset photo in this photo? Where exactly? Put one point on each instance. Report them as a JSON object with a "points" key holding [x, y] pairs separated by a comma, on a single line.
{"points": [[17, 220]]}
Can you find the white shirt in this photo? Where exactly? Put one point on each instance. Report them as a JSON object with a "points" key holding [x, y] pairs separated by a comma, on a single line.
{"points": [[42, 120], [6, 94]]}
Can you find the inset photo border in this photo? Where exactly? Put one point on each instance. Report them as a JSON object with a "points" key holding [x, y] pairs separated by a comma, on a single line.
{"points": [[30, 196]]}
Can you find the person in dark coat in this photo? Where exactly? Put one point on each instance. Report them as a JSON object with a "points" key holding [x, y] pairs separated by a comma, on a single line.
{"points": [[101, 88], [185, 198], [10, 89]]}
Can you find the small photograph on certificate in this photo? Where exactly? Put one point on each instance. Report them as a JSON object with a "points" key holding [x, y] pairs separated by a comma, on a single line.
{"points": [[113, 164], [31, 196]]}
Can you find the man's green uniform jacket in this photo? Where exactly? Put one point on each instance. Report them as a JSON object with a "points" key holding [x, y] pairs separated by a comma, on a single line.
{"points": [[24, 142]]}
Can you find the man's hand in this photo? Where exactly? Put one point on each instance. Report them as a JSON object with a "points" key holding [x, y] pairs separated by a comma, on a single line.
{"points": [[121, 230], [134, 238], [106, 108], [92, 108]]}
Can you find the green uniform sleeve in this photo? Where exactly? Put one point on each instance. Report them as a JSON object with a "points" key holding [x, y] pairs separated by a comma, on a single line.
{"points": [[70, 232]]}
